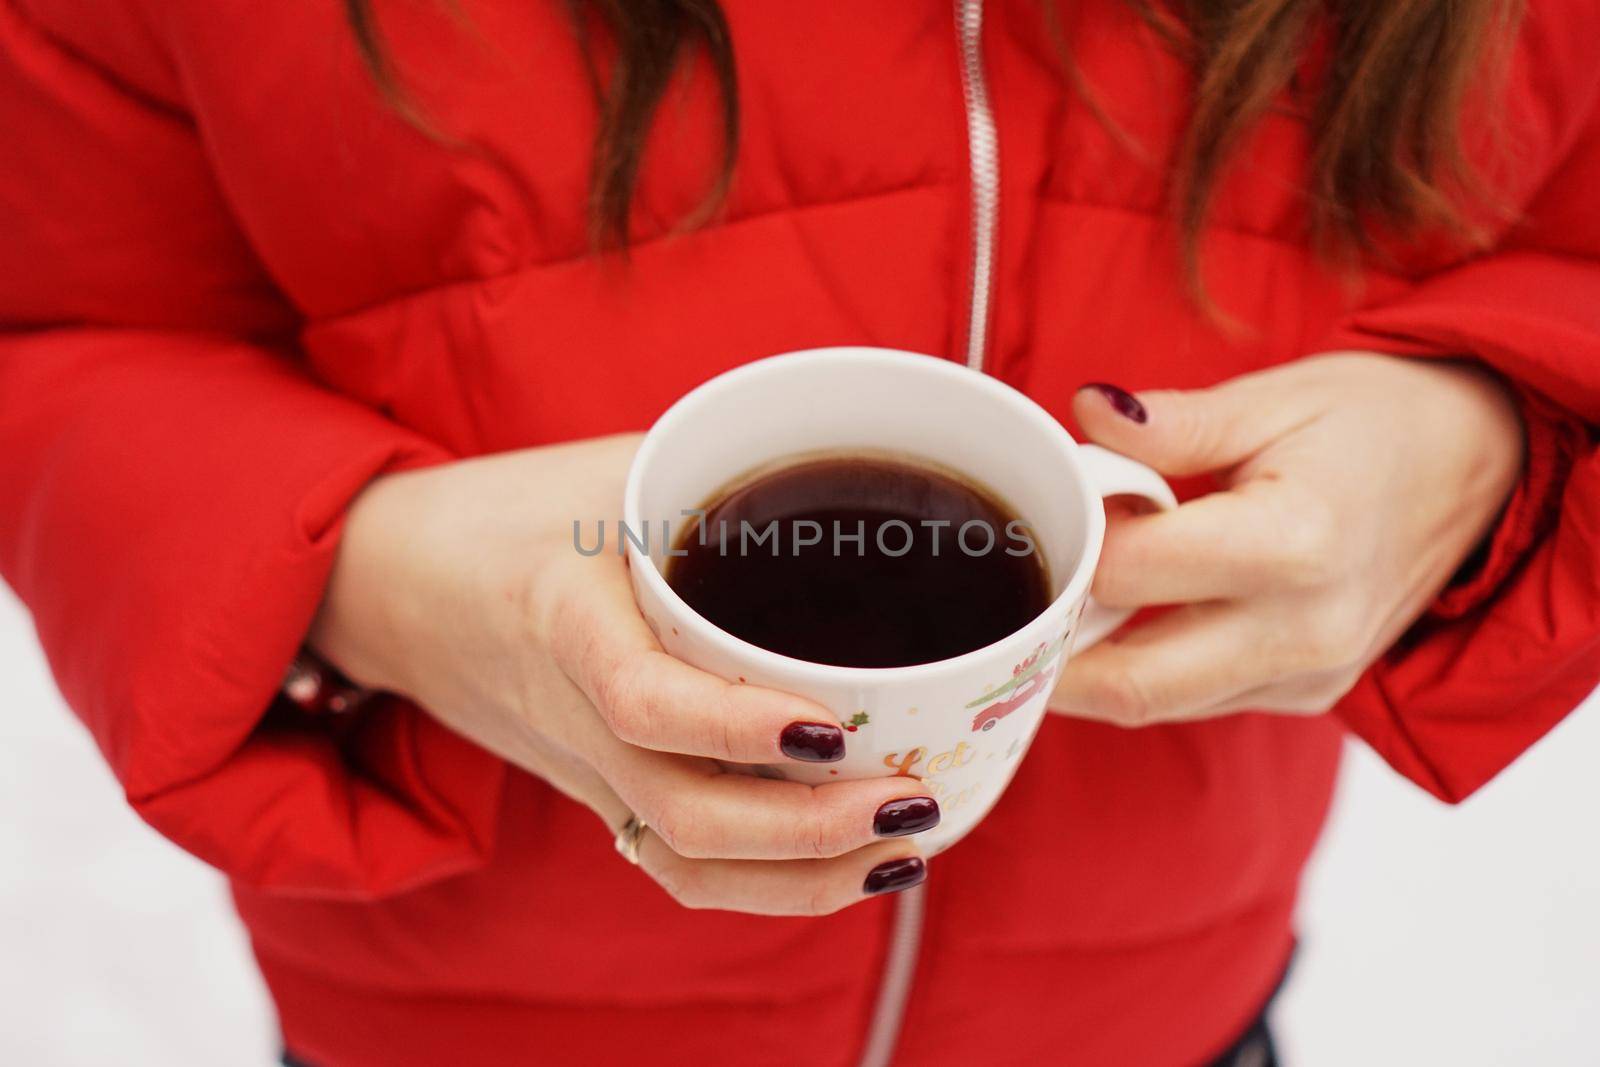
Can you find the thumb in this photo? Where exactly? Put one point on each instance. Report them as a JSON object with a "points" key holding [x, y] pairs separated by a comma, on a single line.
{"points": [[1184, 432]]}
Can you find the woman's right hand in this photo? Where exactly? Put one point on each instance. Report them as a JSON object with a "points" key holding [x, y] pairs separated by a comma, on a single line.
{"points": [[460, 588]]}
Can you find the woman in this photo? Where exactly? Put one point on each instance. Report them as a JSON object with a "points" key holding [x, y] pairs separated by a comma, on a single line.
{"points": [[272, 276]]}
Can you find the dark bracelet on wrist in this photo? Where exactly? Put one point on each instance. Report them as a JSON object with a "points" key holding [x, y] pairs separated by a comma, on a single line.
{"points": [[317, 687]]}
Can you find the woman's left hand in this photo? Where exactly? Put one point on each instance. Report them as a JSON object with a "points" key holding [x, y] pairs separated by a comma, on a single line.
{"points": [[1353, 487]]}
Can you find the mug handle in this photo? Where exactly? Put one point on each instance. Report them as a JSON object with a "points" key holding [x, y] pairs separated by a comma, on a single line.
{"points": [[1112, 474]]}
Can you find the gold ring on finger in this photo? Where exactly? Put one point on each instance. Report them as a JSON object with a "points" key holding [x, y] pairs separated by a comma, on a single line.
{"points": [[628, 839]]}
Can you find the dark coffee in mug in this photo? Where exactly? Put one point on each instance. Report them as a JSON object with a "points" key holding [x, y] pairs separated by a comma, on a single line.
{"points": [[860, 561]]}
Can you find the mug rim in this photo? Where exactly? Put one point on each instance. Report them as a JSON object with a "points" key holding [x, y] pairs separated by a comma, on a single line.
{"points": [[1073, 590]]}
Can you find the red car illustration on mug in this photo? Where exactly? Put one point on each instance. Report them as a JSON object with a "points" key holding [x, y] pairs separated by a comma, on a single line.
{"points": [[992, 714], [1027, 679]]}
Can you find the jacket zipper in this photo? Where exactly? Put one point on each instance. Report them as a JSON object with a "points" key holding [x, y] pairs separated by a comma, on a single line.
{"points": [[900, 963], [983, 153]]}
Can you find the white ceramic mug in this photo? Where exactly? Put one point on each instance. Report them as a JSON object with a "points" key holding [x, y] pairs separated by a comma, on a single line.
{"points": [[961, 724]]}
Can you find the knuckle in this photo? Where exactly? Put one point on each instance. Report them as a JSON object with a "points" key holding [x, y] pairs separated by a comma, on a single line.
{"points": [[623, 703], [820, 899], [1195, 435], [529, 610], [1310, 704], [683, 885], [1326, 696], [721, 740], [684, 833], [690, 845], [668, 823], [1307, 702], [1308, 553], [537, 601], [1315, 704], [1112, 582], [820, 837], [557, 609], [1334, 637], [1120, 696]]}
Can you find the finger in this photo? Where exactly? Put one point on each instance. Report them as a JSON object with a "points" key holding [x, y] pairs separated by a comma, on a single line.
{"points": [[649, 699], [1184, 432], [798, 887], [1258, 537], [704, 812], [768, 887], [1173, 668]]}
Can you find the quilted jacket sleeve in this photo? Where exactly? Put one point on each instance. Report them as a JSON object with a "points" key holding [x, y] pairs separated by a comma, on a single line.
{"points": [[170, 500], [1514, 644]]}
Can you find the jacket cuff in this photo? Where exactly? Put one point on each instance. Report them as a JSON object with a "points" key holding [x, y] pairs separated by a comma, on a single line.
{"points": [[353, 807], [1554, 439], [174, 505]]}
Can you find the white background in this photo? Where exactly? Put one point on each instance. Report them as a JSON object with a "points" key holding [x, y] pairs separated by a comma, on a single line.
{"points": [[1459, 937]]}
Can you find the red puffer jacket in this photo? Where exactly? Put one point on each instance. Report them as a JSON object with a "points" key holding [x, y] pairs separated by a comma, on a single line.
{"points": [[235, 288]]}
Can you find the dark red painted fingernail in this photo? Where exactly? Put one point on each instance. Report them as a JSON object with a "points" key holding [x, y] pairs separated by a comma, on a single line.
{"points": [[814, 742], [1122, 402], [894, 876], [908, 815]]}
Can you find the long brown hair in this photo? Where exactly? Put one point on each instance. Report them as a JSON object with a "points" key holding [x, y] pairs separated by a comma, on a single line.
{"points": [[1385, 112]]}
